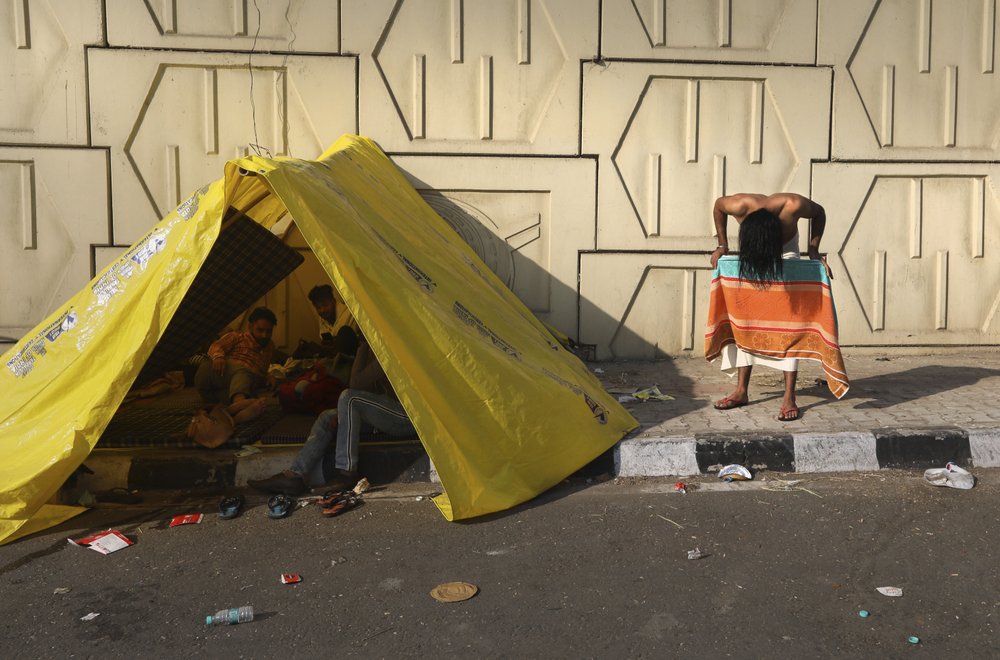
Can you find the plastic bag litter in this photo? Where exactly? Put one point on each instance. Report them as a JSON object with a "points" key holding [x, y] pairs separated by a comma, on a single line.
{"points": [[951, 476], [696, 554], [735, 473], [652, 393], [894, 592]]}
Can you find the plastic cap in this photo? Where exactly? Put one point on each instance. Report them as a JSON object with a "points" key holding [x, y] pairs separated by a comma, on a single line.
{"points": [[208, 620]]}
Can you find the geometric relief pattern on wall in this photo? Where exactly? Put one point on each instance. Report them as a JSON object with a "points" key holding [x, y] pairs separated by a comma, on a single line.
{"points": [[174, 119], [917, 77], [510, 232], [916, 246], [919, 247], [673, 150], [731, 30], [909, 52], [55, 206], [479, 75], [526, 218], [678, 136], [655, 305], [44, 85], [299, 25]]}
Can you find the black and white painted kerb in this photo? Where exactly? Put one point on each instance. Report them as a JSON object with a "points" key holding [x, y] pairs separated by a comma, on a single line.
{"points": [[808, 452]]}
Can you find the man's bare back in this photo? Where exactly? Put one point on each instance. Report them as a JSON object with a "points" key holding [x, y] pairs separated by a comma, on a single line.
{"points": [[787, 207]]}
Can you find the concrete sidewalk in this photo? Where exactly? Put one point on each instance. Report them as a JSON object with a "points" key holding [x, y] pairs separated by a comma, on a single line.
{"points": [[901, 411]]}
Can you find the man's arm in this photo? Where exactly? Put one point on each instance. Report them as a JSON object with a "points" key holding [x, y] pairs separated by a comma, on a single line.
{"points": [[220, 349], [817, 224], [725, 207]]}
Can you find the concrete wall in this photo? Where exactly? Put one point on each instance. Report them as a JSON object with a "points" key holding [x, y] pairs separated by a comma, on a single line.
{"points": [[577, 144]]}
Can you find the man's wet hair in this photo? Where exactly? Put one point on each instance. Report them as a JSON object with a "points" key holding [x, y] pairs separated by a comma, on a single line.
{"points": [[263, 313], [320, 292], [760, 248]]}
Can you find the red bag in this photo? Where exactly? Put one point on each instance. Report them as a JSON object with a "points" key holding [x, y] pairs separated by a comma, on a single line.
{"points": [[312, 392]]}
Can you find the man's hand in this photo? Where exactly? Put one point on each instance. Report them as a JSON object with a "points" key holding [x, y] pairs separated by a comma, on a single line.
{"points": [[718, 252], [814, 254], [219, 366]]}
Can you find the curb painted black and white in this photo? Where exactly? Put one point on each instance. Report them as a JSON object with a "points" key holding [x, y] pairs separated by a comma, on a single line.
{"points": [[705, 453]]}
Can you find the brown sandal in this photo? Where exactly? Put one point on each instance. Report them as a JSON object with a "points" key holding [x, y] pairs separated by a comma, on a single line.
{"points": [[339, 504]]}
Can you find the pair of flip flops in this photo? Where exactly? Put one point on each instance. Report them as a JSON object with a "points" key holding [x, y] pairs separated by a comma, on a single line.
{"points": [[334, 504], [230, 507]]}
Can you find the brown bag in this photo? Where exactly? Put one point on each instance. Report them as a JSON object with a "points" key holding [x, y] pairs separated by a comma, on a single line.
{"points": [[211, 427]]}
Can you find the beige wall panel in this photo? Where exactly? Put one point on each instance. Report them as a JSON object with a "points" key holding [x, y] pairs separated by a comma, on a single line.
{"points": [[472, 76], [915, 250], [104, 255], [42, 69], [644, 306], [55, 206], [527, 218], [913, 78], [674, 137], [715, 30], [172, 120], [289, 25]]}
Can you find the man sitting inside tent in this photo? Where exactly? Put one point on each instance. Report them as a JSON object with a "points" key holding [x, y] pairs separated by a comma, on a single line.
{"points": [[369, 403], [337, 328], [238, 361]]}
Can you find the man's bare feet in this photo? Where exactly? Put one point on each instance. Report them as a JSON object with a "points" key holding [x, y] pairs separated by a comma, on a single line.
{"points": [[732, 401]]}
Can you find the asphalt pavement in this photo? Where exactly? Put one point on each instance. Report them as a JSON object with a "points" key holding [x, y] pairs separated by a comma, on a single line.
{"points": [[586, 570]]}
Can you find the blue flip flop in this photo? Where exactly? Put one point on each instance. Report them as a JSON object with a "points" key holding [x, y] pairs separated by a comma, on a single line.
{"points": [[279, 506], [230, 507]]}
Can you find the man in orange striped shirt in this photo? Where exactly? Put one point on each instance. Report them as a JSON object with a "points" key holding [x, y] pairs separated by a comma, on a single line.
{"points": [[239, 361]]}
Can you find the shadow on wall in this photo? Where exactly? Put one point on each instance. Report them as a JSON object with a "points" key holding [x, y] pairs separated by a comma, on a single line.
{"points": [[560, 305]]}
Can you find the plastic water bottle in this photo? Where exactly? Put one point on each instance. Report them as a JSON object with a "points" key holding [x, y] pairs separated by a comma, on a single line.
{"points": [[231, 616]]}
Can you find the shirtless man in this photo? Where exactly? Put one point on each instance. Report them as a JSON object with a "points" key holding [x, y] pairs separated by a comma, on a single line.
{"points": [[769, 232]]}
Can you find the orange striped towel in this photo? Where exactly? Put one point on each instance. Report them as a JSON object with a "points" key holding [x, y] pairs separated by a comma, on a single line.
{"points": [[793, 318]]}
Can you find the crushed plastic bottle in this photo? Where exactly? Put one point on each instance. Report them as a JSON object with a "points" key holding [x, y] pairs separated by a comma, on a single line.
{"points": [[230, 617]]}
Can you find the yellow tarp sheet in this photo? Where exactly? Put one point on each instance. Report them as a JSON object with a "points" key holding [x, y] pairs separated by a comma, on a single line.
{"points": [[503, 411]]}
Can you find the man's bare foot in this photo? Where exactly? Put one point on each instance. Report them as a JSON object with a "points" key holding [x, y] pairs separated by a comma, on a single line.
{"points": [[732, 401]]}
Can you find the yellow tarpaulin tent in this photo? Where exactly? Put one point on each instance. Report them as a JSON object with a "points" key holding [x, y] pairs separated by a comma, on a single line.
{"points": [[502, 409]]}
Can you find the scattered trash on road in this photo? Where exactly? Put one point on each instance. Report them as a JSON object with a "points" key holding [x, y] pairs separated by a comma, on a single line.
{"points": [[361, 486], [338, 560], [652, 394], [697, 554], [189, 519], [230, 617], [864, 614], [735, 473], [454, 592], [419, 498], [678, 525], [913, 639], [680, 487], [951, 476], [61, 590], [290, 578], [104, 542], [90, 617], [894, 592], [599, 371]]}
